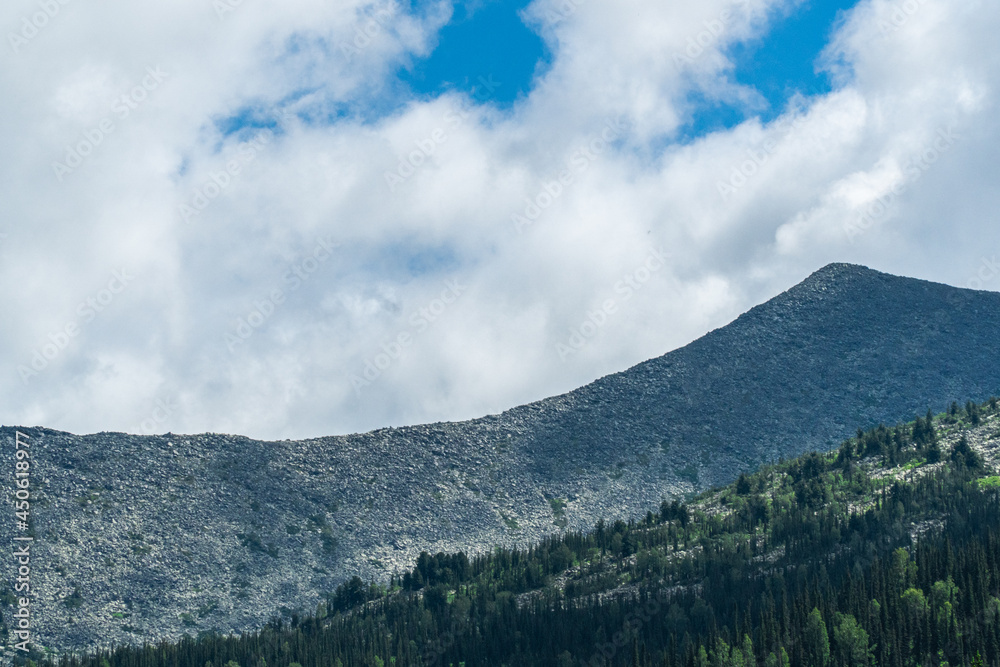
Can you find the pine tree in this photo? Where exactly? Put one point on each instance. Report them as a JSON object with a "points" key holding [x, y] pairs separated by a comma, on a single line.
{"points": [[816, 641], [852, 642], [933, 452]]}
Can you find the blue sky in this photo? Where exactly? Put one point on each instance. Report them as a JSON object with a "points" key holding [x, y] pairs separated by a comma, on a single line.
{"points": [[483, 40], [780, 64], [488, 52], [489, 39]]}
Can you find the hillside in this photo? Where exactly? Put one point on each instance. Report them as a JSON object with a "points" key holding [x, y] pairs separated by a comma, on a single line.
{"points": [[885, 551], [149, 537]]}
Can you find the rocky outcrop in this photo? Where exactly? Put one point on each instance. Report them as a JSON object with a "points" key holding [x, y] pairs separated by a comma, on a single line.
{"points": [[142, 538]]}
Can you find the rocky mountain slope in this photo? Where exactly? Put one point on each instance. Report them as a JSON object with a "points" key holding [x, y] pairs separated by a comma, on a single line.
{"points": [[139, 538]]}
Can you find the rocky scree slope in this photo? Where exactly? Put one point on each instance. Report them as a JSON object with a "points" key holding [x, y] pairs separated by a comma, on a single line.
{"points": [[142, 538]]}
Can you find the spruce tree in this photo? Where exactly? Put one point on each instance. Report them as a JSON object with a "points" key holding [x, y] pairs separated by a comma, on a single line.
{"points": [[816, 641]]}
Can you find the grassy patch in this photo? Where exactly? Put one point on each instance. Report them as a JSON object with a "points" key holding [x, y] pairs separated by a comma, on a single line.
{"points": [[74, 600], [207, 609], [88, 499], [558, 506], [689, 473], [253, 542], [992, 482]]}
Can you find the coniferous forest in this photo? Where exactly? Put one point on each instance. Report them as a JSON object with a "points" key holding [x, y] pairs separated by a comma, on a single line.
{"points": [[883, 552]]}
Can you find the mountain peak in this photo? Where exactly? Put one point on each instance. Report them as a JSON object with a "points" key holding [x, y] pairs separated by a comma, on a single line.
{"points": [[853, 291], [844, 274], [843, 268]]}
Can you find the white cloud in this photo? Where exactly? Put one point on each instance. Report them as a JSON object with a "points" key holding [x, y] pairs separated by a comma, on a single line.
{"points": [[792, 191]]}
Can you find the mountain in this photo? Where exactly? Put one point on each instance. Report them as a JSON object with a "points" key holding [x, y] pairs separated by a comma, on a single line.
{"points": [[885, 551], [141, 538]]}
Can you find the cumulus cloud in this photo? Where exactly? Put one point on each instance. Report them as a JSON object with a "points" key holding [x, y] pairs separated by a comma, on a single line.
{"points": [[227, 216]]}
